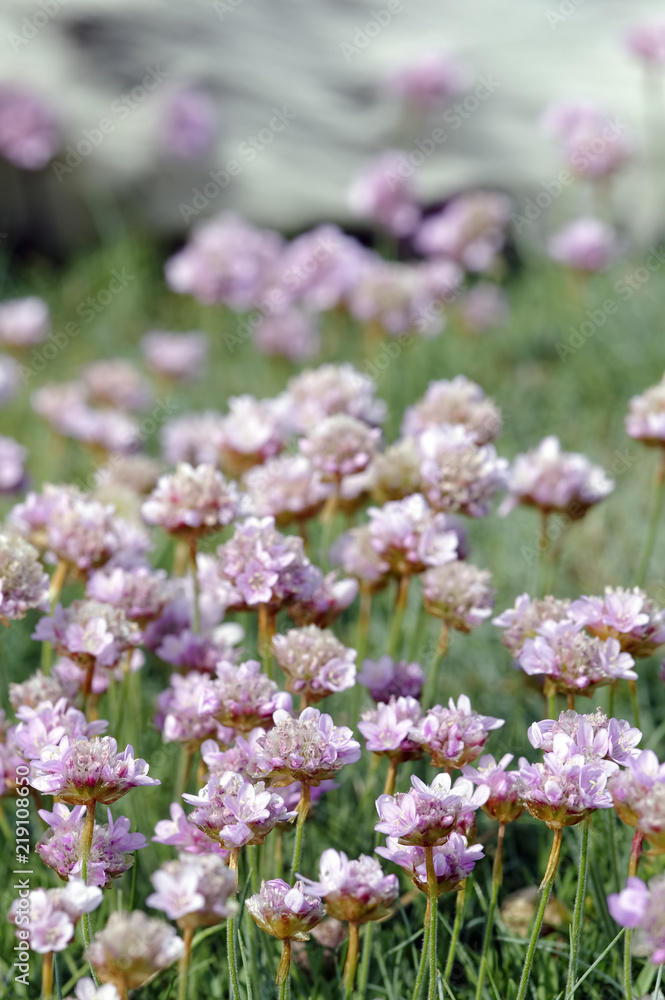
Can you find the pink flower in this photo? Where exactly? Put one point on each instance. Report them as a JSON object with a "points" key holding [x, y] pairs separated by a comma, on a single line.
{"points": [[646, 40], [469, 230], [586, 245], [195, 890], [285, 912], [322, 392], [179, 832], [188, 124], [340, 446], [431, 79], [315, 662], [426, 815], [554, 480], [386, 678], [455, 735], [450, 402], [81, 770], [23, 322], [453, 861], [179, 356], [23, 583], [387, 728], [310, 749], [131, 949], [641, 908], [50, 916], [29, 135], [354, 891], [384, 194], [235, 812]]}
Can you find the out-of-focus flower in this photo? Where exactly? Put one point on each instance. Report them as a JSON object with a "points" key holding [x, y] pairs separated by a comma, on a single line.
{"points": [[85, 989], [192, 501], [195, 890], [117, 382], [40, 687], [554, 480], [195, 438], [13, 457], [586, 245], [180, 716], [504, 803], [140, 591], [322, 392], [395, 473], [645, 420], [132, 949], [455, 735], [396, 298], [626, 615], [383, 192], [322, 599], [179, 832], [292, 334], [426, 815], [386, 678], [252, 431], [188, 124], [409, 536], [50, 915], [453, 861], [523, 621], [469, 230], [573, 661], [234, 811], [457, 474], [29, 135], [23, 322], [179, 356], [200, 651], [592, 142], [638, 793], [47, 724], [23, 582], [354, 553], [429, 80], [355, 891], [285, 912], [459, 594], [80, 770], [450, 402], [110, 854], [646, 41], [89, 630], [387, 728], [484, 307], [227, 260], [242, 697], [641, 908], [340, 446], [315, 662], [317, 269], [310, 749]]}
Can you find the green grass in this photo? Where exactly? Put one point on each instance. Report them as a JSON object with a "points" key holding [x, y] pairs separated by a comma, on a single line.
{"points": [[583, 400]]}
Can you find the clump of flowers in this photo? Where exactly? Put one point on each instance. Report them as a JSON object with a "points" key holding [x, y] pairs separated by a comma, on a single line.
{"points": [[628, 616], [309, 749], [453, 861], [553, 480], [110, 853], [242, 697], [523, 621], [340, 445], [81, 770], [459, 594], [455, 735], [573, 661], [89, 631], [315, 662], [132, 949], [450, 402], [409, 536], [193, 501], [195, 890], [50, 915], [24, 584], [504, 803], [457, 474], [642, 908], [234, 811], [426, 815]]}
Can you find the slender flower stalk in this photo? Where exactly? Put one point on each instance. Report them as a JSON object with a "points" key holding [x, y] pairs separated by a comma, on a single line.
{"points": [[349, 975], [47, 975], [545, 890], [578, 911], [457, 926], [183, 964], [497, 879], [196, 622], [303, 810], [633, 862], [431, 919], [401, 599], [424, 953], [659, 495], [441, 648], [86, 846]]}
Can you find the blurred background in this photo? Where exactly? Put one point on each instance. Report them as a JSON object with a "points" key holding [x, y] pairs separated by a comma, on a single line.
{"points": [[154, 115]]}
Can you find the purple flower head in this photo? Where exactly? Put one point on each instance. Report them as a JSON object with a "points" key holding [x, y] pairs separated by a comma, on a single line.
{"points": [[242, 697], [430, 80], [195, 890], [586, 245], [188, 124], [484, 307], [117, 383], [392, 297], [112, 844], [645, 420], [384, 194], [453, 861], [235, 758], [131, 949], [451, 402], [29, 135], [23, 582], [315, 662], [386, 678], [387, 728], [48, 723], [523, 621], [227, 260], [322, 392], [353, 891], [286, 487], [13, 457], [50, 915], [179, 832], [179, 356], [285, 912], [252, 431], [455, 735], [322, 599], [292, 334], [200, 651], [593, 735], [193, 501], [459, 594], [458, 475], [80, 770], [553, 480], [573, 661], [470, 230], [234, 811], [503, 804], [179, 715], [646, 41], [310, 749], [408, 536], [638, 793], [340, 446], [642, 909], [564, 789], [426, 815], [89, 631], [317, 269], [40, 687], [592, 143], [140, 591], [394, 473], [354, 553], [626, 615]]}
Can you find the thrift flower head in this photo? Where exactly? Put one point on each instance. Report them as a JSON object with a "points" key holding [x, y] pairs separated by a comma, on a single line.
{"points": [[322, 392], [638, 793], [484, 307], [353, 891], [48, 723], [89, 630], [573, 661], [626, 615], [140, 591], [110, 854], [523, 621], [459, 594], [242, 697], [384, 194], [386, 678], [315, 662], [409, 536], [387, 727], [117, 383], [285, 912], [29, 135], [469, 230], [504, 803], [642, 909], [253, 431], [458, 401], [50, 915], [322, 599], [292, 334], [235, 812], [23, 582], [131, 949], [195, 890], [646, 41], [340, 446], [318, 268], [458, 475], [310, 749], [40, 687], [455, 735], [394, 473], [453, 861], [592, 142], [586, 245], [287, 488], [429, 80], [179, 716], [80, 770], [192, 501], [23, 322], [554, 480], [179, 356], [179, 832], [354, 553], [12, 465], [593, 735], [645, 420], [564, 788], [189, 124], [426, 815]]}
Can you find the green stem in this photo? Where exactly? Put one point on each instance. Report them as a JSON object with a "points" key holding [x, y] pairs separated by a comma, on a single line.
{"points": [[424, 951], [545, 890], [351, 959], [284, 969], [196, 624], [398, 615], [610, 708], [429, 694], [497, 879], [632, 687], [266, 621], [659, 493], [183, 965], [543, 547], [610, 816], [303, 809], [86, 846], [327, 517], [232, 959], [364, 965], [459, 914], [633, 863], [433, 894], [550, 694], [578, 911]]}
